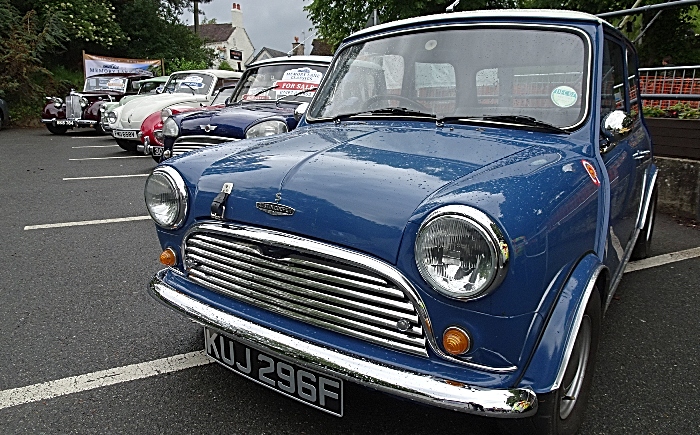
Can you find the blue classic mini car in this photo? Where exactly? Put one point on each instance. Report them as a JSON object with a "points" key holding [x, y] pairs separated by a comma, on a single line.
{"points": [[448, 223], [263, 104]]}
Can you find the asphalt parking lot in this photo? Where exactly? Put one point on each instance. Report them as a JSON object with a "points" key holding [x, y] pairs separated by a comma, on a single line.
{"points": [[84, 349]]}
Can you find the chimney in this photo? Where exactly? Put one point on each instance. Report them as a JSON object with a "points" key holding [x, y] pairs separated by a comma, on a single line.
{"points": [[236, 15], [297, 47]]}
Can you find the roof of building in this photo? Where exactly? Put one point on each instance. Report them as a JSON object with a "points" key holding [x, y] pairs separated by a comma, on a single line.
{"points": [[270, 52], [214, 32]]}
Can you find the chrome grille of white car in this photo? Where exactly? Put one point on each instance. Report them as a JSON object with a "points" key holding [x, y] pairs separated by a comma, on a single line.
{"points": [[185, 144], [73, 109], [326, 291]]}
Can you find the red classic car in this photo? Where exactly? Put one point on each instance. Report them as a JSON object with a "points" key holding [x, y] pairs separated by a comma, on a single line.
{"points": [[151, 133], [82, 109]]}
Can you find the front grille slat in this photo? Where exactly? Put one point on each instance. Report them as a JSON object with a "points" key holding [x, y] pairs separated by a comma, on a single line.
{"points": [[293, 280], [322, 278], [184, 144], [73, 109], [368, 312]]}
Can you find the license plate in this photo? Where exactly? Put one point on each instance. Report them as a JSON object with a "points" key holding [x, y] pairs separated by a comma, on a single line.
{"points": [[64, 122], [307, 386], [124, 134], [157, 151]]}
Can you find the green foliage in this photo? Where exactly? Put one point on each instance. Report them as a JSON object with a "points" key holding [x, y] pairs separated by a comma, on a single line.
{"points": [[678, 110], [225, 66], [183, 65], [86, 20], [653, 112], [336, 19]]}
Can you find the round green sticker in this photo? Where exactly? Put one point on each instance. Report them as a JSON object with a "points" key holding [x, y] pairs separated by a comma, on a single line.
{"points": [[564, 96]]}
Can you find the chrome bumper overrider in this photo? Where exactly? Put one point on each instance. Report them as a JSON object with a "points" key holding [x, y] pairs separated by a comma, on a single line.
{"points": [[430, 390]]}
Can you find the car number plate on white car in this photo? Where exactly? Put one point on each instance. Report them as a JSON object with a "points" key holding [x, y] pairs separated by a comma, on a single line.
{"points": [[307, 386], [124, 134]]}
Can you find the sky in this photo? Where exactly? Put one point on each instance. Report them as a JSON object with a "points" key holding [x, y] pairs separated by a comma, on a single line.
{"points": [[269, 23]]}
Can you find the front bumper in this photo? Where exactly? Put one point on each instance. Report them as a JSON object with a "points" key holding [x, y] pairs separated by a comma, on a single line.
{"points": [[418, 387], [70, 122]]}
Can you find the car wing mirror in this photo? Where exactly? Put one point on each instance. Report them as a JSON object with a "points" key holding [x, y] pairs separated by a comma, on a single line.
{"points": [[300, 110], [615, 126]]}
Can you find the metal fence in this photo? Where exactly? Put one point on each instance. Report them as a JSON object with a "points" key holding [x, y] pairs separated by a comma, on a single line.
{"points": [[667, 86]]}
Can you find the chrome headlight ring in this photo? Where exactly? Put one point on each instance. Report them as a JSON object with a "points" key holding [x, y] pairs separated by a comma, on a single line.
{"points": [[166, 197], [461, 252], [112, 117], [266, 128]]}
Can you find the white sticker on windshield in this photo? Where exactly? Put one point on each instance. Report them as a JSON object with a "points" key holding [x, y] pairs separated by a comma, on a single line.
{"points": [[297, 80], [564, 96]]}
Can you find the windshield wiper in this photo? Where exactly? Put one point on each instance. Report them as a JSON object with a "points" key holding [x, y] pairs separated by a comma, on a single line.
{"points": [[296, 94], [264, 90], [528, 121]]}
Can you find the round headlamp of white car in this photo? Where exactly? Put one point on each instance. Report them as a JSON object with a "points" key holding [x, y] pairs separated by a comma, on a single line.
{"points": [[170, 128], [266, 128], [166, 197], [112, 117], [460, 252]]}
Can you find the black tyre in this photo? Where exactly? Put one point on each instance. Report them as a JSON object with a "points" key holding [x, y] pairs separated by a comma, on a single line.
{"points": [[642, 248], [57, 129], [127, 145], [156, 158], [99, 129], [561, 412]]}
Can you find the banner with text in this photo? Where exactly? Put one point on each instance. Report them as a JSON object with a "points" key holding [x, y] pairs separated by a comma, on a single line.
{"points": [[94, 65]]}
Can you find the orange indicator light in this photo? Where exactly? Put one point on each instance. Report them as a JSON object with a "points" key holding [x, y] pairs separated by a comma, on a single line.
{"points": [[455, 341], [168, 257]]}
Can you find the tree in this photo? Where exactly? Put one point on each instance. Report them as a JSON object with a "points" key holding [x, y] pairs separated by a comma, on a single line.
{"points": [[336, 19]]}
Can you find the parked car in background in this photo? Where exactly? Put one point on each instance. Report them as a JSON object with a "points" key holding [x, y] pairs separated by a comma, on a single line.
{"points": [[150, 86], [151, 133], [82, 109], [448, 223], [263, 104], [4, 114], [191, 88]]}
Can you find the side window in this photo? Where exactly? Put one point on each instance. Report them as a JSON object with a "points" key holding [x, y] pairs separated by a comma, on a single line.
{"points": [[219, 83], [614, 96], [633, 82]]}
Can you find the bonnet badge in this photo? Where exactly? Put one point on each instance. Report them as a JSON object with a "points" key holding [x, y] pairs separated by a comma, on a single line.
{"points": [[275, 208], [207, 128]]}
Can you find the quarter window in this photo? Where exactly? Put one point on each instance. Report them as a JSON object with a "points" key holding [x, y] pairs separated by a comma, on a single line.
{"points": [[614, 96]]}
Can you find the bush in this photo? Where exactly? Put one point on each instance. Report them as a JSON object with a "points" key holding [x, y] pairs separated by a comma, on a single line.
{"points": [[678, 110], [224, 65]]}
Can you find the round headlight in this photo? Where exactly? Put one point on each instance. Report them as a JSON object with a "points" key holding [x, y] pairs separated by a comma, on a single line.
{"points": [[460, 252], [165, 114], [57, 102], [266, 128], [83, 102], [170, 128], [112, 117], [166, 197]]}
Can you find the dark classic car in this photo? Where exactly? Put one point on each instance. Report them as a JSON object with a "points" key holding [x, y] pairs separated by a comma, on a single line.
{"points": [[448, 223], [263, 104], [82, 109]]}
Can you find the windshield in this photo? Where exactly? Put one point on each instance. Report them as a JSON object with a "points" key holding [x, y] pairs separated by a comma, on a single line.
{"points": [[116, 84], [149, 87], [271, 82], [467, 72], [189, 83], [222, 95]]}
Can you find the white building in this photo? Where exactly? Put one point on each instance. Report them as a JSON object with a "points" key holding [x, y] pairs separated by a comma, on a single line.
{"points": [[230, 41]]}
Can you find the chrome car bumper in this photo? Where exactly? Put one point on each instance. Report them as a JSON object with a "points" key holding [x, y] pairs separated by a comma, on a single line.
{"points": [[414, 386]]}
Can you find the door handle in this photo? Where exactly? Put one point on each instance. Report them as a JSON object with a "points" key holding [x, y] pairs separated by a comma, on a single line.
{"points": [[640, 155]]}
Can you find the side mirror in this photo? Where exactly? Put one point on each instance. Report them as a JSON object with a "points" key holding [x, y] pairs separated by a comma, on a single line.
{"points": [[615, 126], [300, 110]]}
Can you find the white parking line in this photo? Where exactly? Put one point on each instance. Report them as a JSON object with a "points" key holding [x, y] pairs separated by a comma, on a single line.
{"points": [[80, 223], [96, 146], [90, 381], [105, 176], [107, 158], [660, 260]]}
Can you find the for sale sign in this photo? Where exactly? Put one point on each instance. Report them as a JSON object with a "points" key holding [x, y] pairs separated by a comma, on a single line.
{"points": [[299, 79]]}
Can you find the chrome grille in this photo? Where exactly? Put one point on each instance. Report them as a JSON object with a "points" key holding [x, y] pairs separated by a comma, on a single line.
{"points": [[330, 293], [73, 109], [185, 144]]}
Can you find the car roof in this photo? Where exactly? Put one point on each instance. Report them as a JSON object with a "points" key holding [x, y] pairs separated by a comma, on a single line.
{"points": [[159, 79], [215, 72], [293, 59], [554, 14]]}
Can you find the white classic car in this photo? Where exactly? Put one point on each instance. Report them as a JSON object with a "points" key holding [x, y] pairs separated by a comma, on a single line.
{"points": [[193, 88]]}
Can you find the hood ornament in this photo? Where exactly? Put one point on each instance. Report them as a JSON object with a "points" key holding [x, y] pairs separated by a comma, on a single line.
{"points": [[207, 128], [275, 208]]}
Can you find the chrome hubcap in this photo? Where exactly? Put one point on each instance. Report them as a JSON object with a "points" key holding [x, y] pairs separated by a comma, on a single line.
{"points": [[576, 369]]}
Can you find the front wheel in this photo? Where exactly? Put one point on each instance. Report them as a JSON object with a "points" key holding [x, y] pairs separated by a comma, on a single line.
{"points": [[127, 145], [156, 158], [560, 412], [57, 129], [99, 129]]}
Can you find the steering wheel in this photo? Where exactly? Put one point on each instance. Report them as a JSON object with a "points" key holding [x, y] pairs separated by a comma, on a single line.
{"points": [[412, 104]]}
